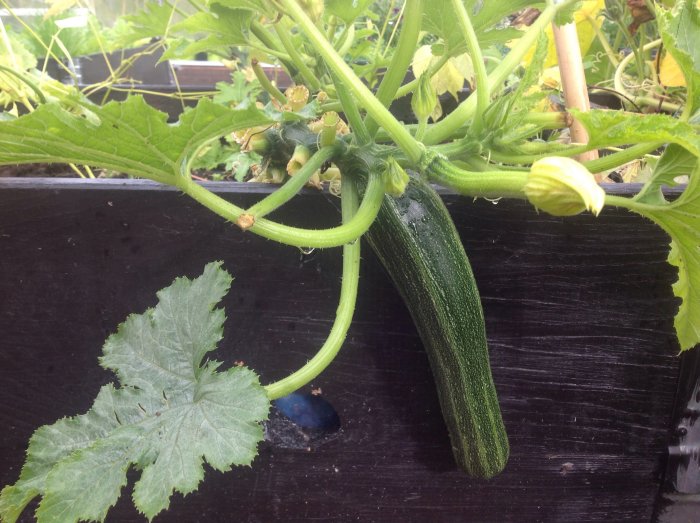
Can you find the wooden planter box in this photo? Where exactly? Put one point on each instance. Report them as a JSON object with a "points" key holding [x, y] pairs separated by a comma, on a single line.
{"points": [[579, 315]]}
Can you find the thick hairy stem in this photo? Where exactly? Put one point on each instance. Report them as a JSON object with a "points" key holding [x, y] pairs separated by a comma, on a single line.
{"points": [[346, 308]]}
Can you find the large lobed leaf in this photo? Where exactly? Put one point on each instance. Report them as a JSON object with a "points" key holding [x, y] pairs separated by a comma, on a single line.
{"points": [[680, 218], [130, 136], [170, 413]]}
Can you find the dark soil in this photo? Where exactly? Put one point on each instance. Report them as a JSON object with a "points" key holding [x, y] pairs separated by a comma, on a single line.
{"points": [[35, 170]]}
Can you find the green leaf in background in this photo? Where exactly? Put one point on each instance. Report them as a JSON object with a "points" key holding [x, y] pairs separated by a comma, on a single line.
{"points": [[439, 19], [219, 29], [680, 218], [170, 413], [153, 20], [346, 10], [256, 6], [130, 137], [680, 31]]}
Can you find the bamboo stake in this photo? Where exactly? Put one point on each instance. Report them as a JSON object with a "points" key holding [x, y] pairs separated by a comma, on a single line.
{"points": [[573, 81]]}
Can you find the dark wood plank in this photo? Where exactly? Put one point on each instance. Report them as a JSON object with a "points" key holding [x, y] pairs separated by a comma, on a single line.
{"points": [[579, 316]]}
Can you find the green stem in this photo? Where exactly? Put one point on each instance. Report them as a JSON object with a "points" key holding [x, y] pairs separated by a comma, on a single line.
{"points": [[549, 120], [482, 87], [488, 184], [346, 308], [39, 94], [466, 110], [527, 157], [374, 107], [349, 40], [265, 37], [612, 56], [292, 186], [349, 107], [401, 60], [297, 237], [306, 73], [639, 61], [265, 82], [611, 161]]}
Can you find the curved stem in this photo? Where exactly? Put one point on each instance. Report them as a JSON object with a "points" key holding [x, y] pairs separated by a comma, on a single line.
{"points": [[265, 82], [620, 70], [374, 107], [401, 60], [346, 308], [297, 237], [292, 186], [482, 87], [39, 94]]}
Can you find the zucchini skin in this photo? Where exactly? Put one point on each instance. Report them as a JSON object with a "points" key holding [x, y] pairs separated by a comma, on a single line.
{"points": [[416, 241]]}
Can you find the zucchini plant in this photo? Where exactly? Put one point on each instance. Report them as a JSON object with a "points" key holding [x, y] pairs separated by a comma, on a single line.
{"points": [[172, 409]]}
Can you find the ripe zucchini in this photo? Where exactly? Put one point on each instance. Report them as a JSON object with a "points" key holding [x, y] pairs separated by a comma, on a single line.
{"points": [[416, 241]]}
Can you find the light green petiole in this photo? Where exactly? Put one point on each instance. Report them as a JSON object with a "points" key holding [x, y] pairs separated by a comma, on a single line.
{"points": [[344, 313], [297, 237], [292, 186]]}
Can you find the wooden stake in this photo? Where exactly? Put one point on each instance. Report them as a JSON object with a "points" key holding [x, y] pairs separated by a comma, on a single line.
{"points": [[573, 81]]}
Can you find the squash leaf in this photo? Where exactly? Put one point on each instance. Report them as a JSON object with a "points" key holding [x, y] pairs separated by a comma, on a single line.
{"points": [[346, 10], [130, 137], [170, 413], [219, 30], [153, 20], [439, 20], [679, 218]]}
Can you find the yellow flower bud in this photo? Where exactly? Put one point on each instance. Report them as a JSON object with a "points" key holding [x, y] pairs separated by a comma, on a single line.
{"points": [[563, 187], [424, 98]]}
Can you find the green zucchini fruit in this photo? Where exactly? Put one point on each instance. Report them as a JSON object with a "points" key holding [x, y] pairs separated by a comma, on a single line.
{"points": [[416, 241]]}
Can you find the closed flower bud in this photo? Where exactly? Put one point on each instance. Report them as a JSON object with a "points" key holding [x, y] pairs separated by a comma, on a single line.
{"points": [[424, 99], [395, 178], [563, 187]]}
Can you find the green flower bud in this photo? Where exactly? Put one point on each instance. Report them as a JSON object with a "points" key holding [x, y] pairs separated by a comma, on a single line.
{"points": [[563, 187], [395, 178], [424, 99]]}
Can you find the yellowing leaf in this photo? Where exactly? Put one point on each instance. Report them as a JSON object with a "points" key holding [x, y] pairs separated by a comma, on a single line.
{"points": [[450, 77], [669, 72], [583, 18]]}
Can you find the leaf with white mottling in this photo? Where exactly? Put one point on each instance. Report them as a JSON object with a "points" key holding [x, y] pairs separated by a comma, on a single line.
{"points": [[170, 414]]}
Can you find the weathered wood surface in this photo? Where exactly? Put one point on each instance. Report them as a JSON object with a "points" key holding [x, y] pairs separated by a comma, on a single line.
{"points": [[579, 316]]}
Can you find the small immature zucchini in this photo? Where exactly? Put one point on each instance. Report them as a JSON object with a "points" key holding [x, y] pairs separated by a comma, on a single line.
{"points": [[416, 240]]}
